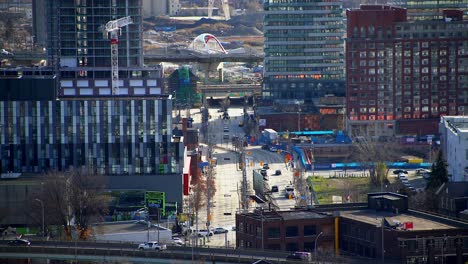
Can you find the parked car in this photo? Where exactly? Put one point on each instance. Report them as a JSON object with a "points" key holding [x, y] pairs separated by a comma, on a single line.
{"points": [[304, 256], [400, 171], [266, 166], [19, 242], [263, 172], [404, 180], [273, 149], [274, 188], [151, 246], [401, 176], [203, 232], [264, 146], [220, 230], [177, 241], [226, 136], [422, 171], [278, 172], [289, 191], [6, 52]]}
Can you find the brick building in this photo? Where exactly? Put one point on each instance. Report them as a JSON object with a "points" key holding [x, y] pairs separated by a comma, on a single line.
{"points": [[285, 230], [385, 222], [401, 71]]}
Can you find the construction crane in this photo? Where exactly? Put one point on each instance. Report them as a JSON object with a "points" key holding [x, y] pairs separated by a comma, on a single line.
{"points": [[112, 30], [225, 5]]}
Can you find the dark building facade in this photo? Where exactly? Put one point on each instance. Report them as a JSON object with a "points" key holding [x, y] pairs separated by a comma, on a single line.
{"points": [[303, 50], [402, 71], [80, 52], [115, 135], [286, 231], [384, 228]]}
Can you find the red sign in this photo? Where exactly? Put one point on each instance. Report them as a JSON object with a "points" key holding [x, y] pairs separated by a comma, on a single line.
{"points": [[408, 225]]}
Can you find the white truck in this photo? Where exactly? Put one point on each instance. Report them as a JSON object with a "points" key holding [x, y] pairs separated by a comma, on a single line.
{"points": [[271, 134]]}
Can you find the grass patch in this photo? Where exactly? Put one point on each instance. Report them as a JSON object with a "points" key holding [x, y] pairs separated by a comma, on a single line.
{"points": [[355, 188]]}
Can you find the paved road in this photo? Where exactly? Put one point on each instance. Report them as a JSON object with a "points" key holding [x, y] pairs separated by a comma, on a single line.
{"points": [[228, 176]]}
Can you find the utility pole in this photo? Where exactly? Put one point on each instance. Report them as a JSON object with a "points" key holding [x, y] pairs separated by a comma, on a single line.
{"points": [[383, 248], [244, 184], [42, 207], [208, 185], [159, 218]]}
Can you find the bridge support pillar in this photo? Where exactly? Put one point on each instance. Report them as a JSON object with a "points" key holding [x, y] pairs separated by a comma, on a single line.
{"points": [[210, 67]]}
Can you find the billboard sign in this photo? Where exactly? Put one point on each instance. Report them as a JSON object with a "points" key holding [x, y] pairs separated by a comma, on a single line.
{"points": [[156, 203]]}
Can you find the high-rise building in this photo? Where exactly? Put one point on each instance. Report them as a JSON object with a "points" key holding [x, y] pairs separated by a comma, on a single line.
{"points": [[65, 115], [304, 50], [429, 9], [39, 24], [81, 52], [403, 75]]}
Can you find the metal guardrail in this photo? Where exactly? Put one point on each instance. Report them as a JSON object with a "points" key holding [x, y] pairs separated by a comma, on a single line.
{"points": [[128, 250]]}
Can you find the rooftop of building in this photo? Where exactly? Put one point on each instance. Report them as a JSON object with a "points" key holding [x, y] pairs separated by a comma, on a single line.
{"points": [[456, 123], [374, 217], [288, 215], [454, 189], [390, 206]]}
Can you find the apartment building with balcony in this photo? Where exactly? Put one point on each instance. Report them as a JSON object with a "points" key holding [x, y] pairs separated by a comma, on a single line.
{"points": [[403, 75]]}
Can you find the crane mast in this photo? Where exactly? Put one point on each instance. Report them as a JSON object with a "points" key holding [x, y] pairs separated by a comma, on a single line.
{"points": [[112, 30]]}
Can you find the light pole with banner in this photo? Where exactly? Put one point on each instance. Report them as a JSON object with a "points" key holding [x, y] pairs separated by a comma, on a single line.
{"points": [[42, 207]]}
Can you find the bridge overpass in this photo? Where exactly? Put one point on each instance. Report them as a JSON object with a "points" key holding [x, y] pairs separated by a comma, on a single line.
{"points": [[186, 56], [232, 90], [157, 56], [127, 252]]}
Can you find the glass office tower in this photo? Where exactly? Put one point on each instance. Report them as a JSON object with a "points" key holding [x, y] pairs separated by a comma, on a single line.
{"points": [[304, 50]]}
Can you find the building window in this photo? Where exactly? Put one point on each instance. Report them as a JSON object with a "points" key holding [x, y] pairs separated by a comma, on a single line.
{"points": [[291, 247], [274, 246], [292, 231], [273, 232], [310, 230], [309, 246]]}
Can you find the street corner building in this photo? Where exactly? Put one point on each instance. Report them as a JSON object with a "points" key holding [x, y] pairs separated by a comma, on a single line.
{"points": [[383, 228]]}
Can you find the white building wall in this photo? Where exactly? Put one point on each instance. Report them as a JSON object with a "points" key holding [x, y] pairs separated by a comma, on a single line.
{"points": [[160, 7], [455, 145]]}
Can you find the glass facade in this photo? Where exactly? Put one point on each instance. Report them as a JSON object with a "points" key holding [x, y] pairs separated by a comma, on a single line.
{"points": [[79, 49], [113, 136], [304, 49], [429, 9]]}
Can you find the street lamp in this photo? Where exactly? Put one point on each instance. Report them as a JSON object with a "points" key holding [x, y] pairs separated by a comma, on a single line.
{"points": [[298, 117], [315, 250], [42, 206]]}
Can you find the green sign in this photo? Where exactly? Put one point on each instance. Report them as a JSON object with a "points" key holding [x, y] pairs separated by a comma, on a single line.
{"points": [[156, 202], [236, 94]]}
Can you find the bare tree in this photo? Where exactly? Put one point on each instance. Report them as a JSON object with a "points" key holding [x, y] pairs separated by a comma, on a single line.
{"points": [[300, 183], [198, 198], [74, 196], [87, 201], [373, 155]]}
